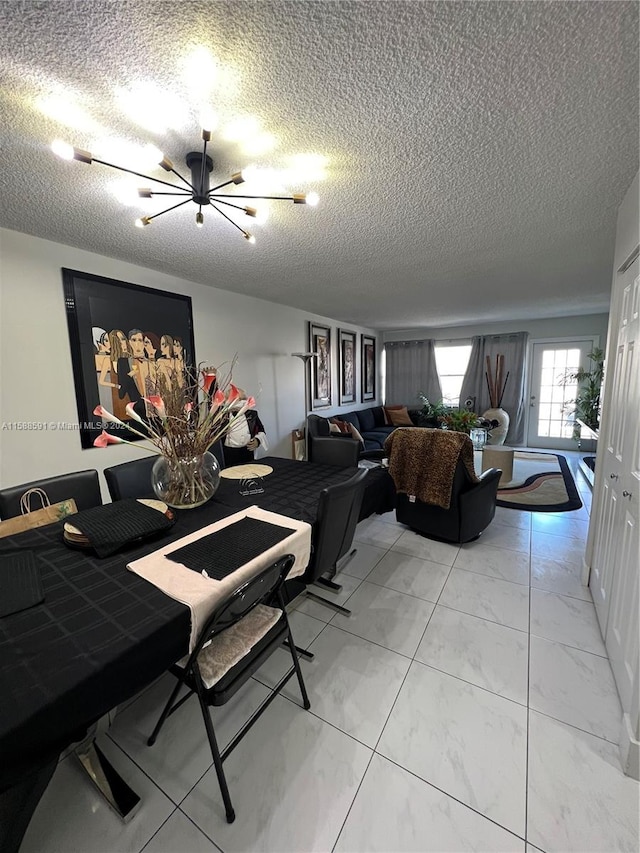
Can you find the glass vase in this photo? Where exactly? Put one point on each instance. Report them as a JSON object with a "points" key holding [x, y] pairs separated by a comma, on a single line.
{"points": [[185, 483]]}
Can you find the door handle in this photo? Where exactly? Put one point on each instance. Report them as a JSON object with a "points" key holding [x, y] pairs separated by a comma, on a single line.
{"points": [[627, 494], [613, 476]]}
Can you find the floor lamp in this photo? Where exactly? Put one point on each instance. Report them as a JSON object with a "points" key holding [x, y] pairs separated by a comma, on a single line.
{"points": [[306, 358]]}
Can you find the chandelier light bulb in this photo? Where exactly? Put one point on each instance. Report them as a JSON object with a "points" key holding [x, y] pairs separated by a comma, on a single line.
{"points": [[313, 199], [249, 237], [199, 219], [144, 220], [62, 149]]}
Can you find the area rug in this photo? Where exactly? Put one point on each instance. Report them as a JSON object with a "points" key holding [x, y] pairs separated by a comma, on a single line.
{"points": [[542, 482]]}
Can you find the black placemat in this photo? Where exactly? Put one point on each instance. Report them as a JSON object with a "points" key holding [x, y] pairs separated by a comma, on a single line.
{"points": [[113, 525], [224, 551], [20, 583]]}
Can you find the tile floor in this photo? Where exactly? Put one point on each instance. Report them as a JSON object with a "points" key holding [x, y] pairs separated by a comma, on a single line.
{"points": [[467, 704]]}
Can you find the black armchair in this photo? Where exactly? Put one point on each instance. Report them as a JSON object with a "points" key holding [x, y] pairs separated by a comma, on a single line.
{"points": [[82, 486], [439, 459], [328, 448]]}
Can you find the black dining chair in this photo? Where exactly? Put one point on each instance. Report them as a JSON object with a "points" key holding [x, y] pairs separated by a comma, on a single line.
{"points": [[338, 513], [130, 479], [82, 486], [242, 632]]}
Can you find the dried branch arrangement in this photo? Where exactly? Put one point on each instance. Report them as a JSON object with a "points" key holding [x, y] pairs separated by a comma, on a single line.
{"points": [[496, 381]]}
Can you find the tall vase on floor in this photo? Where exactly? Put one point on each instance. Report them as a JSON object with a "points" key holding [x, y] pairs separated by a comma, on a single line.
{"points": [[498, 433]]}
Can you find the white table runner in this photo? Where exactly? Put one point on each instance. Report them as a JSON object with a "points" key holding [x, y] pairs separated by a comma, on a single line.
{"points": [[202, 595]]}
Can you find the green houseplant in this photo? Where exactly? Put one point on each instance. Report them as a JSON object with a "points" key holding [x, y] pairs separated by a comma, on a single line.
{"points": [[586, 405]]}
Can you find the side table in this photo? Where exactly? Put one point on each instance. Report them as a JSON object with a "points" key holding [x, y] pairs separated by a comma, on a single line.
{"points": [[499, 456]]}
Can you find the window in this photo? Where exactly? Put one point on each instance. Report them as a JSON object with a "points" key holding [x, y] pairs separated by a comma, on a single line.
{"points": [[451, 364]]}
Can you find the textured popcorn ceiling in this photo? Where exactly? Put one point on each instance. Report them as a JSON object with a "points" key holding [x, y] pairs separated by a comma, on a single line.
{"points": [[477, 152]]}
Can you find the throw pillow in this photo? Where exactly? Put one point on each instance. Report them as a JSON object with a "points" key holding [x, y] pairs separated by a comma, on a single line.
{"points": [[398, 416], [343, 426], [356, 434], [334, 428]]}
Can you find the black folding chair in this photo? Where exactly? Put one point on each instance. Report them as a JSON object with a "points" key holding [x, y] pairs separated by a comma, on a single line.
{"points": [[243, 631]]}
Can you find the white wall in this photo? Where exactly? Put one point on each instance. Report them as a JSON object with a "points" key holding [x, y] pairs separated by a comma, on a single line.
{"points": [[36, 379]]}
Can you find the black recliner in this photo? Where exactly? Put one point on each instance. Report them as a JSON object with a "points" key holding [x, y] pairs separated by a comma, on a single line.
{"points": [[472, 504], [329, 448]]}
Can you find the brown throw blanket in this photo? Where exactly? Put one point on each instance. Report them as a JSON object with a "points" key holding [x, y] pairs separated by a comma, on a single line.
{"points": [[422, 462]]}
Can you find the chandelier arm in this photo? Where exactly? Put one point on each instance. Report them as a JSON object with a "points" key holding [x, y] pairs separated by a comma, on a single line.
{"points": [[180, 203], [202, 167], [218, 196], [220, 186], [228, 203], [175, 172], [180, 192], [228, 218], [138, 174]]}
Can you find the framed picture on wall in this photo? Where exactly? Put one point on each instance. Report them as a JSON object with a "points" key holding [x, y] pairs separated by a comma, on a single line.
{"points": [[368, 367], [122, 337], [347, 365], [320, 343]]}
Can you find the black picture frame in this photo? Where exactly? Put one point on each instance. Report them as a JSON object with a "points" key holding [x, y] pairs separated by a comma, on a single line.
{"points": [[347, 366], [320, 343], [368, 367], [98, 306]]}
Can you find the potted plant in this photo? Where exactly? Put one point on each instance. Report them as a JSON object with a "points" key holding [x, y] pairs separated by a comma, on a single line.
{"points": [[431, 413], [586, 405]]}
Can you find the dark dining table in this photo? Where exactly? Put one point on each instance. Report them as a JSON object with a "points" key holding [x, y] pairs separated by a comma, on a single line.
{"points": [[102, 633]]}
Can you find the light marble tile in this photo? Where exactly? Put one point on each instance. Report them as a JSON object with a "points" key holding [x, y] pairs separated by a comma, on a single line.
{"points": [[559, 576], [579, 798], [180, 834], [389, 517], [321, 611], [73, 817], [575, 687], [513, 517], [412, 575], [566, 620], [556, 547], [466, 741], [374, 531], [353, 683], [365, 558], [488, 598], [292, 780], [395, 810], [481, 652], [560, 525], [496, 562], [504, 536], [181, 753], [384, 616], [426, 549]]}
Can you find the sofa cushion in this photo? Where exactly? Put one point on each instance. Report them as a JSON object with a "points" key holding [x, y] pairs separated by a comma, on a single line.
{"points": [[336, 425], [398, 415], [356, 434], [351, 418], [367, 421], [378, 416]]}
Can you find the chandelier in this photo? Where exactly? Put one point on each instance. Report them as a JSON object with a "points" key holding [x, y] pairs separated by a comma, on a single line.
{"points": [[197, 190]]}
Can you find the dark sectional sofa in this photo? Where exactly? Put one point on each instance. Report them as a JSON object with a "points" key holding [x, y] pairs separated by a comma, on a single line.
{"points": [[370, 424]]}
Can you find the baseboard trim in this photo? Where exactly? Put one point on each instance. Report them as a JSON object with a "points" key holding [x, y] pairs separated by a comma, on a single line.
{"points": [[629, 749]]}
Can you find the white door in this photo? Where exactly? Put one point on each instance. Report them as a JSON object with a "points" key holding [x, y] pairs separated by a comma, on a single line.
{"points": [[550, 394], [616, 557]]}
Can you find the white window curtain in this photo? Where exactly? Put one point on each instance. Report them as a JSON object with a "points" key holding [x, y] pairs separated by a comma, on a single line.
{"points": [[411, 370], [474, 385]]}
